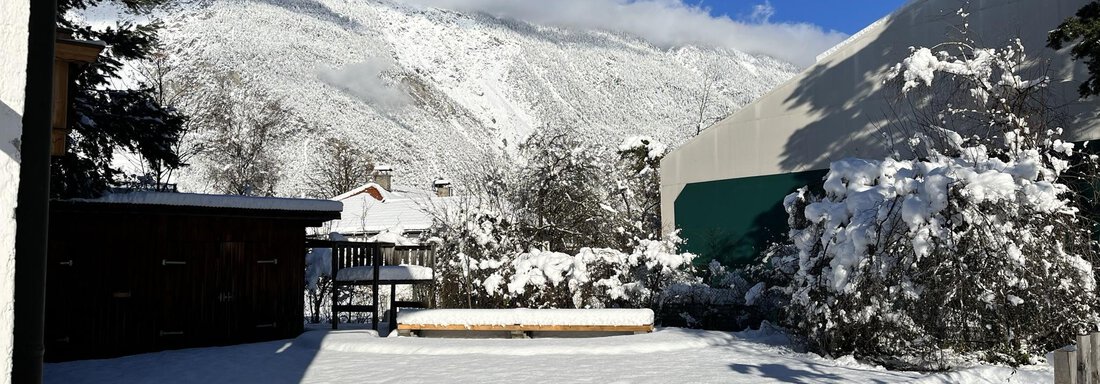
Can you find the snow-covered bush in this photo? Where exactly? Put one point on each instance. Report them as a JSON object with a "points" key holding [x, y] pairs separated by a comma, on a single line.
{"points": [[503, 244], [593, 277], [475, 238], [973, 245], [482, 265], [637, 203]]}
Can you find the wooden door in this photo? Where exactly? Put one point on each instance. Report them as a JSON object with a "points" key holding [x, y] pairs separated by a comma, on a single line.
{"points": [[225, 284], [178, 289], [64, 303], [264, 300]]}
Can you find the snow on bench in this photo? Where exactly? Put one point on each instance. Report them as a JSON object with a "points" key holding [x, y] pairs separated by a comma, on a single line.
{"points": [[519, 321], [385, 273]]}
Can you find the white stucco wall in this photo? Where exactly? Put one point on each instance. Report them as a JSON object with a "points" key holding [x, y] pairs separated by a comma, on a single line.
{"points": [[13, 68], [833, 109]]}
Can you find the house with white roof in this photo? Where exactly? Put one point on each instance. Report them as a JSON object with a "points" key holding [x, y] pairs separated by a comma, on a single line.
{"points": [[377, 207]]}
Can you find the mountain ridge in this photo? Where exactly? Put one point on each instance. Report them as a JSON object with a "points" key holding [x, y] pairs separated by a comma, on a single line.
{"points": [[474, 85]]}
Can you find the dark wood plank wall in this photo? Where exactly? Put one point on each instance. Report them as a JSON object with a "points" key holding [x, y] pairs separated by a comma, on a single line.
{"points": [[123, 282]]}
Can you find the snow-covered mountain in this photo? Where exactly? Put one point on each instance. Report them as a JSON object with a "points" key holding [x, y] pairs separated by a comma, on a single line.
{"points": [[433, 92]]}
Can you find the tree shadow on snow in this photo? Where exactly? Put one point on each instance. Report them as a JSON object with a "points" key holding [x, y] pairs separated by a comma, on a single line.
{"points": [[281, 361], [784, 373]]}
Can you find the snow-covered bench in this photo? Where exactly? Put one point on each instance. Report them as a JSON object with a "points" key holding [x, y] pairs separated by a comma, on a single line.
{"points": [[520, 322]]}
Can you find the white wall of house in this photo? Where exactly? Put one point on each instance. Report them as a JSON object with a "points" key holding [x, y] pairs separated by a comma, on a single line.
{"points": [[833, 109], [13, 68]]}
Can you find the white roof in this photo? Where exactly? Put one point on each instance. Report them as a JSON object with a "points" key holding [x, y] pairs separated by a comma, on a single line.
{"points": [[219, 201], [363, 214]]}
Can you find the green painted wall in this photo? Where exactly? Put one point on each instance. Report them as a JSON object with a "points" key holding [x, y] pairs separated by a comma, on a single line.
{"points": [[733, 220]]}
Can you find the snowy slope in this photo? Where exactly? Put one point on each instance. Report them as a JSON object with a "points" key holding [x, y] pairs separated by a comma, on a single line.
{"points": [[454, 87]]}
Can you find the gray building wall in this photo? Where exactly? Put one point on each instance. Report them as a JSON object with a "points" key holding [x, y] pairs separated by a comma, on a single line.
{"points": [[834, 108], [14, 16]]}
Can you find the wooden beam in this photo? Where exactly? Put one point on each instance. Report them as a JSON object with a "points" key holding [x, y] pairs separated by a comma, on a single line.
{"points": [[78, 51]]}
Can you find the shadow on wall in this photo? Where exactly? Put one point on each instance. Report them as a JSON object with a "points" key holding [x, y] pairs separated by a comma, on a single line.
{"points": [[855, 118], [846, 96], [9, 138]]}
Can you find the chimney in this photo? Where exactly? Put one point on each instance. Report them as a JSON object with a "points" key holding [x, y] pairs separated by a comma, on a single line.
{"points": [[442, 187], [383, 176]]}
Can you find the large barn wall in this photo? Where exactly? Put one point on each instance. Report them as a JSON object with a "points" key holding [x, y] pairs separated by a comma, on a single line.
{"points": [[831, 111], [13, 71], [124, 280]]}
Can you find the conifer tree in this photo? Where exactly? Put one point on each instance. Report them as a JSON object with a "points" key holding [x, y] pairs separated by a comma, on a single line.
{"points": [[107, 118]]}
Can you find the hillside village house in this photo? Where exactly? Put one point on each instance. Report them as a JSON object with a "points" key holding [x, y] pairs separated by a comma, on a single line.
{"points": [[724, 189], [378, 207]]}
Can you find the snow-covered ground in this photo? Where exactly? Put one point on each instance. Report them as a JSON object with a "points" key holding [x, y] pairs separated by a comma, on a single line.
{"points": [[359, 356]]}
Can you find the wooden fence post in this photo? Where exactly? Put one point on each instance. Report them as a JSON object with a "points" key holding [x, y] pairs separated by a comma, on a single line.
{"points": [[1094, 372], [1084, 359], [1065, 366]]}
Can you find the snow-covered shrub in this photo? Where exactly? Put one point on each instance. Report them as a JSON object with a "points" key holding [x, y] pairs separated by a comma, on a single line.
{"points": [[594, 277], [475, 239], [740, 298], [636, 201], [502, 245], [480, 265], [973, 245]]}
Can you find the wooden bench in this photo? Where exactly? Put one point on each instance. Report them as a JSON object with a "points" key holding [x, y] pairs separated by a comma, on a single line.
{"points": [[519, 323]]}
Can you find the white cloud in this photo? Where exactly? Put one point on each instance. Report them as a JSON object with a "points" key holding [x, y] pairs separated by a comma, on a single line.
{"points": [[762, 13], [665, 23], [365, 80]]}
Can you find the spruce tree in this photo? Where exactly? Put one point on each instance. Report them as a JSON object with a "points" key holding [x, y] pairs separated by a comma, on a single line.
{"points": [[106, 118]]}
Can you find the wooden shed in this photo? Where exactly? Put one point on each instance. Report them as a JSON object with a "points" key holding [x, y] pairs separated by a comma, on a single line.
{"points": [[142, 271]]}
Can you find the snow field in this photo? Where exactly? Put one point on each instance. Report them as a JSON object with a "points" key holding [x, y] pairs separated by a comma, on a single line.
{"points": [[667, 355]]}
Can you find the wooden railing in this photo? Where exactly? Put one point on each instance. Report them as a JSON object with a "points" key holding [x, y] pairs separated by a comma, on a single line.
{"points": [[349, 254]]}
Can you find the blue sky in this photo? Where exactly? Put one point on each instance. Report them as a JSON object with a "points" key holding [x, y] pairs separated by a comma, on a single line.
{"points": [[848, 16]]}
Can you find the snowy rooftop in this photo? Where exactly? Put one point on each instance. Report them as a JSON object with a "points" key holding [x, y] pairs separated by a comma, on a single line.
{"points": [[363, 189], [219, 201], [364, 214]]}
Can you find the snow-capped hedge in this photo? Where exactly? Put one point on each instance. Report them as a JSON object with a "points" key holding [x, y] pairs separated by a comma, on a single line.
{"points": [[974, 245], [592, 278]]}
